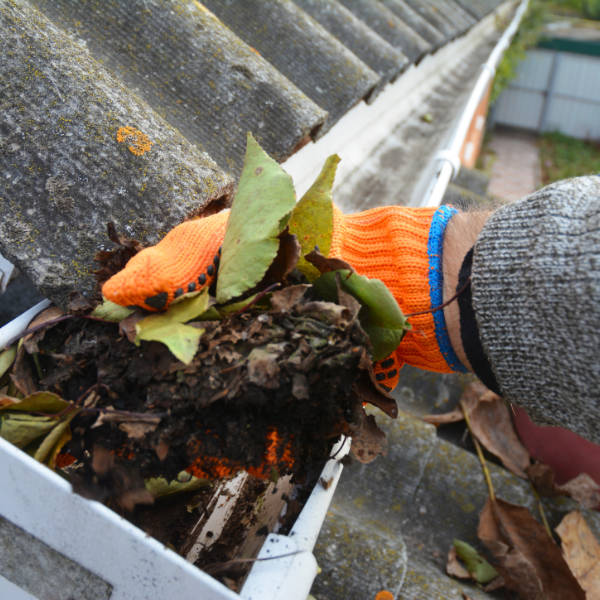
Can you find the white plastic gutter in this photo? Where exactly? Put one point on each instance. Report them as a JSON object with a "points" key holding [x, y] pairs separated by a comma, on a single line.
{"points": [[450, 155]]}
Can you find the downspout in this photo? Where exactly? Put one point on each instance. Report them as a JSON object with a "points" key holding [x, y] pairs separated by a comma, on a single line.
{"points": [[450, 155]]}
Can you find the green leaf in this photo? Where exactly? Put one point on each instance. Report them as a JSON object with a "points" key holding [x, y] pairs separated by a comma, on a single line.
{"points": [[7, 358], [312, 218], [168, 327], [380, 315], [159, 486], [57, 437], [479, 568], [109, 311], [259, 213], [22, 429], [43, 402]]}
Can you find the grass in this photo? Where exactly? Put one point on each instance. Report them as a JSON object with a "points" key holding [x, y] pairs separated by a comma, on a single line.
{"points": [[562, 156]]}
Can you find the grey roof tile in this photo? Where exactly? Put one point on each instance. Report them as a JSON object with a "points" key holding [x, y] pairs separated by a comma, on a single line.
{"points": [[479, 8], [372, 49], [321, 66], [63, 172], [194, 72], [412, 18], [432, 14], [386, 24], [453, 12]]}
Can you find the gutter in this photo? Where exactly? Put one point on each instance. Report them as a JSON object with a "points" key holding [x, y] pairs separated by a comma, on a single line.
{"points": [[450, 155]]}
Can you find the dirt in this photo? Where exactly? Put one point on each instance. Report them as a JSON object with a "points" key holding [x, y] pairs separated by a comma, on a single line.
{"points": [[269, 392]]}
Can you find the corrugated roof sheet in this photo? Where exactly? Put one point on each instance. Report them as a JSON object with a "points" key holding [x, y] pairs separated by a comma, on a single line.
{"points": [[435, 16], [373, 50], [383, 21], [320, 65], [194, 72], [64, 172], [188, 85], [412, 18]]}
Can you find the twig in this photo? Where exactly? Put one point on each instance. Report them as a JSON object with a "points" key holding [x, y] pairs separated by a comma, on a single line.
{"points": [[486, 473], [45, 324], [432, 310], [222, 566], [259, 296], [542, 512]]}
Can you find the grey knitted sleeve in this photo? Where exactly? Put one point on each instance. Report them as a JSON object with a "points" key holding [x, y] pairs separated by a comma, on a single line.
{"points": [[536, 297]]}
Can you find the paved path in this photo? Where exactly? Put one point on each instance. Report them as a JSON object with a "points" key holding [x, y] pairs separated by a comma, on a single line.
{"points": [[516, 167]]}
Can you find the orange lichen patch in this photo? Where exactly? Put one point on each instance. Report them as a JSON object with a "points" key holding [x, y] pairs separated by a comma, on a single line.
{"points": [[384, 595], [138, 143]]}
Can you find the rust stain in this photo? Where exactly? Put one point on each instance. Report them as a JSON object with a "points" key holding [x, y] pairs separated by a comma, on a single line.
{"points": [[138, 143]]}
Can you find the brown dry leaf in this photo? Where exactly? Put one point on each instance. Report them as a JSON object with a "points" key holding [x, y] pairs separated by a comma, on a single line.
{"points": [[30, 341], [263, 368], [22, 375], [582, 553], [368, 441], [528, 560], [131, 498], [286, 260], [582, 489], [127, 325], [112, 261], [454, 568], [284, 300], [365, 389], [325, 264], [492, 425], [454, 416], [137, 430]]}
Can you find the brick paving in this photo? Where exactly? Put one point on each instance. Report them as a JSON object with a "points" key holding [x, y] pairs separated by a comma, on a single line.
{"points": [[516, 170]]}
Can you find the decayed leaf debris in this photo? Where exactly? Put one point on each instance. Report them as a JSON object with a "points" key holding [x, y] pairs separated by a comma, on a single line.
{"points": [[264, 381]]}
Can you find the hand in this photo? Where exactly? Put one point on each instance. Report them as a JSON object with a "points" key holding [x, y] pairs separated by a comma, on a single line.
{"points": [[185, 260], [401, 246]]}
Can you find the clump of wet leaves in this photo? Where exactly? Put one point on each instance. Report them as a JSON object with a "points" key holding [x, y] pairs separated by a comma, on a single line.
{"points": [[263, 374]]}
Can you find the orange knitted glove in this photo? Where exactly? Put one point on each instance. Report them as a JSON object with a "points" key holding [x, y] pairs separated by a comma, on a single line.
{"points": [[400, 246], [185, 260]]}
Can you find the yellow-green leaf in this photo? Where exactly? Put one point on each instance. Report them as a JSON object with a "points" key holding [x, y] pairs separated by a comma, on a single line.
{"points": [[7, 357], [168, 327], [312, 218], [159, 486], [43, 402], [260, 211], [479, 568], [182, 340], [55, 439], [22, 429], [109, 311]]}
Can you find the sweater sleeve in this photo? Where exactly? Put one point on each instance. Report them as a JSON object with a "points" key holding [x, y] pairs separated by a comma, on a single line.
{"points": [[536, 297]]}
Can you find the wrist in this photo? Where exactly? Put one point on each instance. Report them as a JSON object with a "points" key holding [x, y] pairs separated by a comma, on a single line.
{"points": [[460, 236]]}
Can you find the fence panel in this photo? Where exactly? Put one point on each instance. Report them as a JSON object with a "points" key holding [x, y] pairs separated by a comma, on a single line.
{"points": [[553, 91]]}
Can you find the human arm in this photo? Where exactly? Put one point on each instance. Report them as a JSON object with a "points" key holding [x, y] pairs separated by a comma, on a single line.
{"points": [[536, 303]]}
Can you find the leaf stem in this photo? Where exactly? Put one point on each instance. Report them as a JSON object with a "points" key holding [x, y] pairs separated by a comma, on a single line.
{"points": [[542, 512], [486, 472], [436, 308]]}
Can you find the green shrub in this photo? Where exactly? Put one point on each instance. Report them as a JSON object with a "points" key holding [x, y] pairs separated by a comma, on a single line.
{"points": [[591, 9]]}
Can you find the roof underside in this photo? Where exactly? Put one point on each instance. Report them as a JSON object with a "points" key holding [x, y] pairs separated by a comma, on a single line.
{"points": [[136, 112]]}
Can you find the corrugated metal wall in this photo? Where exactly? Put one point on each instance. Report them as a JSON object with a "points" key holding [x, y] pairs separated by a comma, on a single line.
{"points": [[553, 91]]}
